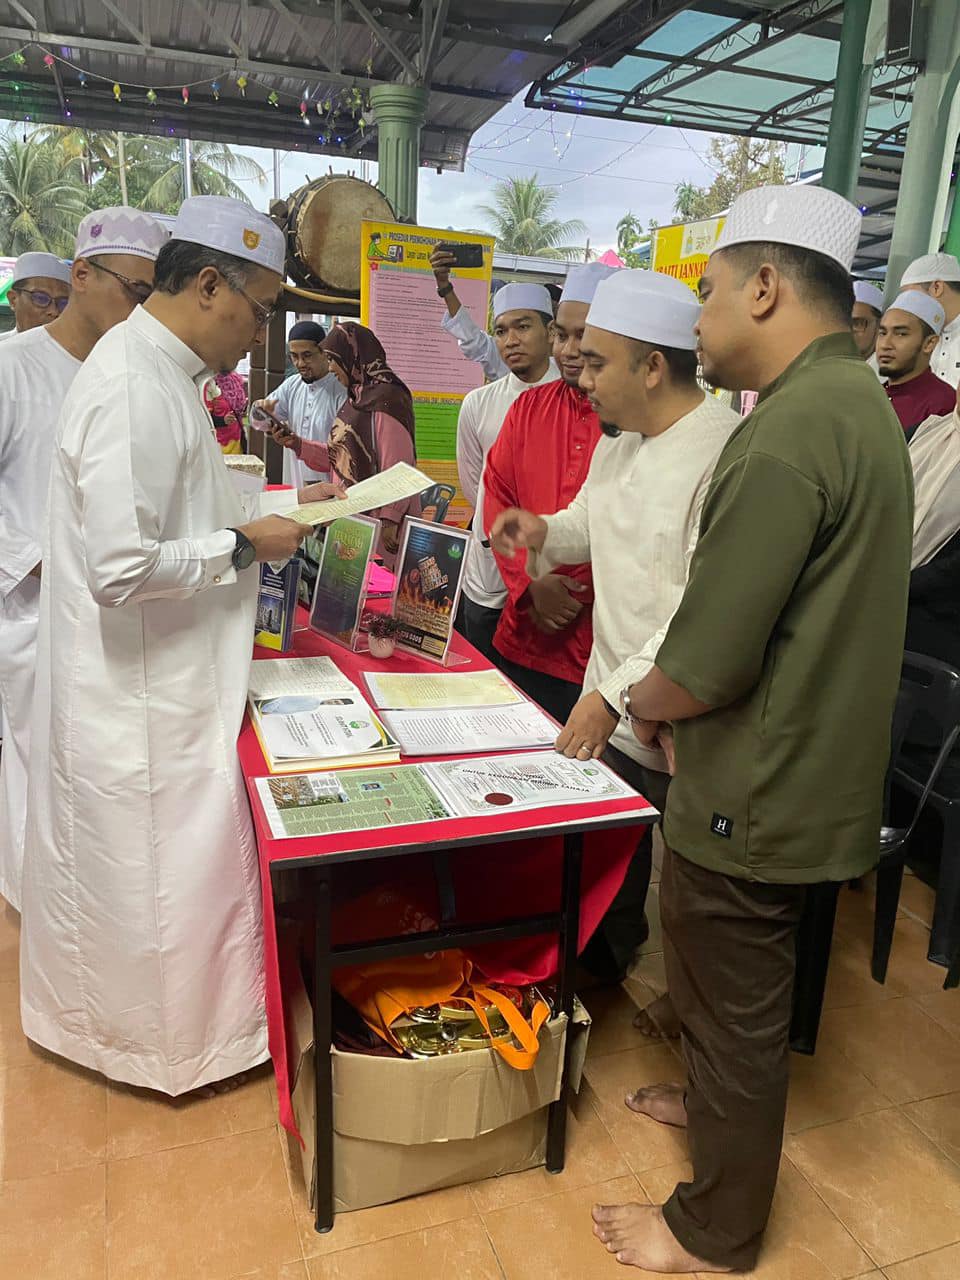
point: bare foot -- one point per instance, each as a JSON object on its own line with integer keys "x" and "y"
{"x": 219, "y": 1086}
{"x": 639, "y": 1237}
{"x": 661, "y": 1102}
{"x": 658, "y": 1020}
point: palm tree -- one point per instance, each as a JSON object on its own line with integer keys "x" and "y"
{"x": 521, "y": 217}
{"x": 96, "y": 149}
{"x": 215, "y": 168}
{"x": 42, "y": 197}
{"x": 629, "y": 232}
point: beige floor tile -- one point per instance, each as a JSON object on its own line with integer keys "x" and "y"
{"x": 15, "y": 1048}
{"x": 849, "y": 982}
{"x": 460, "y": 1250}
{"x": 939, "y": 1119}
{"x": 52, "y": 1228}
{"x": 803, "y": 1241}
{"x": 898, "y": 1047}
{"x": 612, "y": 1011}
{"x": 558, "y": 1242}
{"x": 828, "y": 1087}
{"x": 140, "y": 1122}
{"x": 944, "y": 1264}
{"x": 917, "y": 899}
{"x": 643, "y": 1142}
{"x": 53, "y": 1116}
{"x": 366, "y": 1226}
{"x": 648, "y": 968}
{"x": 214, "y": 1209}
{"x": 9, "y": 943}
{"x": 287, "y": 1271}
{"x": 943, "y": 1007}
{"x": 909, "y": 972}
{"x": 592, "y": 1156}
{"x": 893, "y": 1190}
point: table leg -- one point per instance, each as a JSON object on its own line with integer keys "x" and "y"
{"x": 322, "y": 1034}
{"x": 569, "y": 937}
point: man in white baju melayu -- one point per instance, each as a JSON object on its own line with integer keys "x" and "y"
{"x": 141, "y": 941}
{"x": 112, "y": 272}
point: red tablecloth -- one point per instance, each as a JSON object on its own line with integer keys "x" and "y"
{"x": 492, "y": 881}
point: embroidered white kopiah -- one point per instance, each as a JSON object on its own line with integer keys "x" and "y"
{"x": 120, "y": 230}
{"x": 232, "y": 227}
{"x": 806, "y": 217}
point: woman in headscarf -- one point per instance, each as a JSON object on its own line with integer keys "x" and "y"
{"x": 373, "y": 428}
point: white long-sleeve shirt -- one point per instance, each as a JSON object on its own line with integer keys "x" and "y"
{"x": 475, "y": 343}
{"x": 35, "y": 376}
{"x": 141, "y": 949}
{"x": 481, "y": 417}
{"x": 636, "y": 521}
{"x": 310, "y": 409}
{"x": 945, "y": 361}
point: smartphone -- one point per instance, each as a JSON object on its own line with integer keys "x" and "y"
{"x": 262, "y": 419}
{"x": 464, "y": 255}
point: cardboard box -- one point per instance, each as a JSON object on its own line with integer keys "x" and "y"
{"x": 406, "y": 1126}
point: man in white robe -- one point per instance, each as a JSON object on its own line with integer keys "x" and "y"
{"x": 39, "y": 291}
{"x": 112, "y": 271}
{"x": 141, "y": 944}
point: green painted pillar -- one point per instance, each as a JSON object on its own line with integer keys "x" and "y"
{"x": 952, "y": 242}
{"x": 399, "y": 111}
{"x": 931, "y": 144}
{"x": 851, "y": 95}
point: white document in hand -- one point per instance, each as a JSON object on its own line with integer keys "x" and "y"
{"x": 393, "y": 485}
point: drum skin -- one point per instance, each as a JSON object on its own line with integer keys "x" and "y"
{"x": 323, "y": 231}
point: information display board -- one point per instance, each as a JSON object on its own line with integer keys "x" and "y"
{"x": 682, "y": 250}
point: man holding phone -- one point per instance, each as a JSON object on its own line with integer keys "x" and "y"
{"x": 307, "y": 401}
{"x": 475, "y": 343}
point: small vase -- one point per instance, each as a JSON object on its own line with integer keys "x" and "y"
{"x": 382, "y": 646}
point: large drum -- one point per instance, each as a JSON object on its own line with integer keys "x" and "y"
{"x": 322, "y": 222}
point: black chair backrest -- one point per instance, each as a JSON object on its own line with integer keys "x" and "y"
{"x": 930, "y": 692}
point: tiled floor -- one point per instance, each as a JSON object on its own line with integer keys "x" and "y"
{"x": 101, "y": 1183}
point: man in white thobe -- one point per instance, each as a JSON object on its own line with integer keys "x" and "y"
{"x": 938, "y": 274}
{"x": 141, "y": 941}
{"x": 308, "y": 400}
{"x": 39, "y": 291}
{"x": 522, "y": 316}
{"x": 112, "y": 271}
{"x": 636, "y": 521}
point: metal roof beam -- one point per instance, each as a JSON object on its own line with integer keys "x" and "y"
{"x": 219, "y": 62}
{"x": 292, "y": 20}
{"x": 24, "y": 13}
{"x": 204, "y": 14}
{"x": 436, "y": 35}
{"x": 384, "y": 37}
{"x": 134, "y": 30}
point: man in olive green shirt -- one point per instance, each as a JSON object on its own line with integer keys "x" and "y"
{"x": 779, "y": 670}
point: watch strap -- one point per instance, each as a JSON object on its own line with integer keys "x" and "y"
{"x": 444, "y": 291}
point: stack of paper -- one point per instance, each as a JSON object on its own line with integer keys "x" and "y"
{"x": 458, "y": 713}
{"x": 308, "y": 715}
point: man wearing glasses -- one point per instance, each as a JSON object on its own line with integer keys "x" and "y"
{"x": 141, "y": 941}
{"x": 112, "y": 271}
{"x": 39, "y": 292}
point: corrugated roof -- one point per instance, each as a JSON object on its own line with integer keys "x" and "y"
{"x": 485, "y": 53}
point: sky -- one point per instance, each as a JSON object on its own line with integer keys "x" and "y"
{"x": 601, "y": 169}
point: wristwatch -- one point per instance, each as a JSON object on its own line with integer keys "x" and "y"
{"x": 625, "y": 709}
{"x": 244, "y": 553}
{"x": 443, "y": 290}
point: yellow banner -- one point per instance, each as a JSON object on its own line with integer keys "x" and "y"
{"x": 399, "y": 302}
{"x": 682, "y": 250}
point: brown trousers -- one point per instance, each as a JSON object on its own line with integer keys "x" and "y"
{"x": 730, "y": 954}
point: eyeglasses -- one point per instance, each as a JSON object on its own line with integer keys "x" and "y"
{"x": 139, "y": 290}
{"x": 43, "y": 300}
{"x": 263, "y": 315}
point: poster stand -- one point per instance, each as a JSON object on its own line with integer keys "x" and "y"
{"x": 429, "y": 572}
{"x": 342, "y": 576}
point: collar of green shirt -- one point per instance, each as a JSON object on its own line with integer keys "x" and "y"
{"x": 831, "y": 347}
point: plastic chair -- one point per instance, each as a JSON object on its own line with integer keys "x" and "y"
{"x": 930, "y": 690}
{"x": 927, "y": 687}
{"x": 440, "y": 496}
